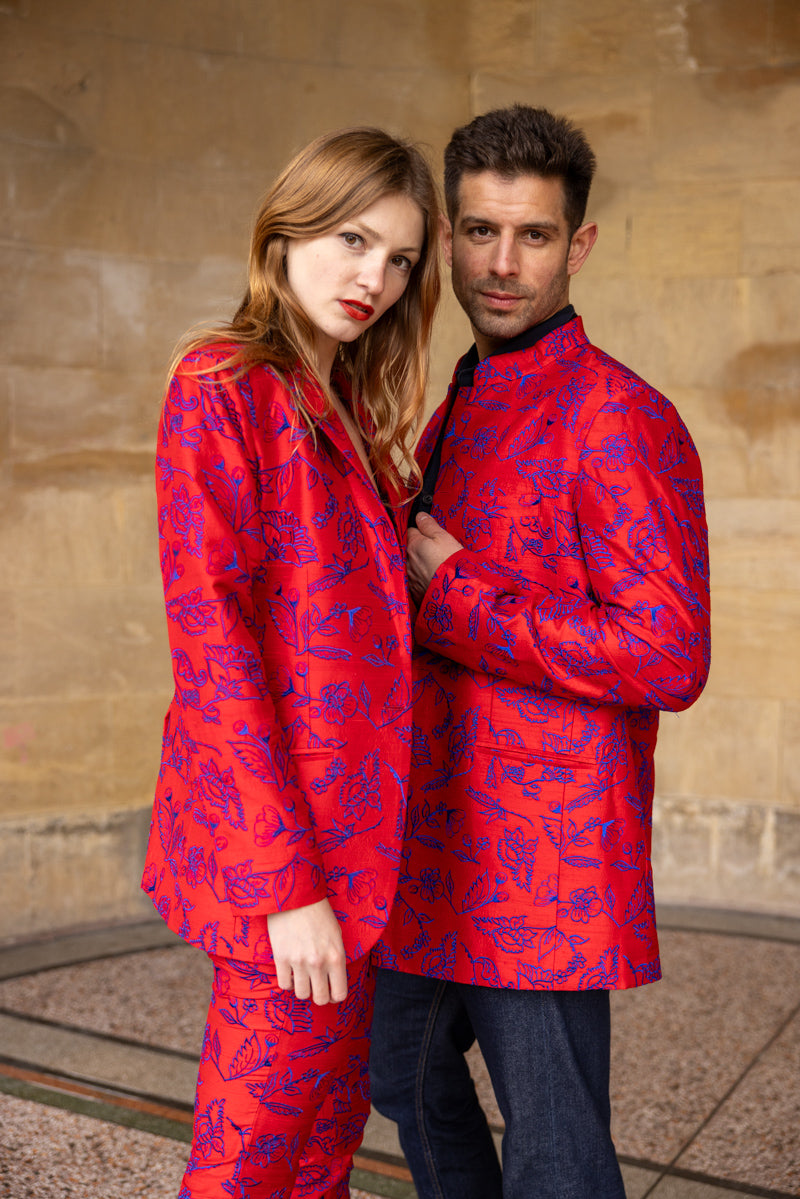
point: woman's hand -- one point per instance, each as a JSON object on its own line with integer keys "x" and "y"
{"x": 309, "y": 953}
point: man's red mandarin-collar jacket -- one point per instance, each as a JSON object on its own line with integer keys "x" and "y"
{"x": 545, "y": 648}
{"x": 286, "y": 746}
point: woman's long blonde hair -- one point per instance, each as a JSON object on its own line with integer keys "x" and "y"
{"x": 332, "y": 180}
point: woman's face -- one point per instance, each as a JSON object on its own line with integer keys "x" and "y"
{"x": 346, "y": 279}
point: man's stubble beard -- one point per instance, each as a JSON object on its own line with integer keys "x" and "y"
{"x": 502, "y": 326}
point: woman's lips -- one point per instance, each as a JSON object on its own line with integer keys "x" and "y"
{"x": 358, "y": 311}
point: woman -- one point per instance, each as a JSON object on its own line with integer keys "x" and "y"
{"x": 280, "y": 802}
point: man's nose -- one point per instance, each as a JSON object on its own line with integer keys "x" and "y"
{"x": 505, "y": 261}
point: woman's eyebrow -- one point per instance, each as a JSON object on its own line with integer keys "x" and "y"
{"x": 379, "y": 237}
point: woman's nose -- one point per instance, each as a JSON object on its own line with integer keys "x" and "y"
{"x": 372, "y": 275}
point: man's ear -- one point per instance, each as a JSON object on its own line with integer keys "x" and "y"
{"x": 446, "y": 234}
{"x": 582, "y": 241}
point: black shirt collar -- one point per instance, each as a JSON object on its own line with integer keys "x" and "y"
{"x": 514, "y": 345}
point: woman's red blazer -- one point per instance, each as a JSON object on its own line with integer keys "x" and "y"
{"x": 286, "y": 746}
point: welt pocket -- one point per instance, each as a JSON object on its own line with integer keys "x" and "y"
{"x": 313, "y": 755}
{"x": 535, "y": 755}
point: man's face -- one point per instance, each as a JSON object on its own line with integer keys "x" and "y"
{"x": 512, "y": 254}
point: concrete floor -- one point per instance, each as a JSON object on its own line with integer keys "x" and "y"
{"x": 99, "y": 1033}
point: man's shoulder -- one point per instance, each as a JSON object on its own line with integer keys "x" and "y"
{"x": 571, "y": 361}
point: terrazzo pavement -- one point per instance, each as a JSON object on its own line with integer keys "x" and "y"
{"x": 100, "y": 1031}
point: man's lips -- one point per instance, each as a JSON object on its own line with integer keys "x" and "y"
{"x": 358, "y": 311}
{"x": 501, "y": 299}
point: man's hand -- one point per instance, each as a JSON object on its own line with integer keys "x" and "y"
{"x": 429, "y": 545}
{"x": 309, "y": 953}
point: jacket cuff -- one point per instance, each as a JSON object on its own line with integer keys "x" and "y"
{"x": 436, "y": 623}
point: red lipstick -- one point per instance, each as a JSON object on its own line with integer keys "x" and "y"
{"x": 358, "y": 311}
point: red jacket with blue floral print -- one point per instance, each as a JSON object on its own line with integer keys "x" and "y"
{"x": 286, "y": 746}
{"x": 545, "y": 649}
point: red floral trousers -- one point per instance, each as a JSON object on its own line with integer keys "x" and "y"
{"x": 282, "y": 1089}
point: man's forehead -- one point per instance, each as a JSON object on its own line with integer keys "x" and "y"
{"x": 491, "y": 190}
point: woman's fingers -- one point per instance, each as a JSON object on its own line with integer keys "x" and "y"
{"x": 309, "y": 953}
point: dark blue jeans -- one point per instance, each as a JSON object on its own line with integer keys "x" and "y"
{"x": 547, "y": 1053}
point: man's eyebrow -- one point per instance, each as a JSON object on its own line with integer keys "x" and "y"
{"x": 536, "y": 223}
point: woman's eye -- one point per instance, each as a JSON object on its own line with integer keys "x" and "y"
{"x": 352, "y": 239}
{"x": 402, "y": 263}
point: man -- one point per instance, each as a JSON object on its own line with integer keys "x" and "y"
{"x": 562, "y": 593}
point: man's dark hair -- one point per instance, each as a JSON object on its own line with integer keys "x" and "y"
{"x": 521, "y": 140}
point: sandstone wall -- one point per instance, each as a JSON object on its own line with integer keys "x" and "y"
{"x": 136, "y": 139}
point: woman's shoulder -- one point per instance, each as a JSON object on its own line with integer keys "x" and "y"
{"x": 222, "y": 365}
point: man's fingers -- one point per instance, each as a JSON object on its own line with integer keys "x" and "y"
{"x": 428, "y": 525}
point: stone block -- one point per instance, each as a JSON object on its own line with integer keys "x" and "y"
{"x": 748, "y": 436}
{"x": 790, "y": 756}
{"x": 769, "y": 238}
{"x": 61, "y": 537}
{"x": 614, "y": 209}
{"x": 787, "y": 852}
{"x": 720, "y": 748}
{"x": 626, "y": 36}
{"x": 785, "y": 38}
{"x": 54, "y": 75}
{"x": 452, "y": 337}
{"x": 138, "y": 511}
{"x": 755, "y": 647}
{"x": 221, "y": 26}
{"x": 773, "y": 302}
{"x": 5, "y": 429}
{"x": 137, "y": 723}
{"x": 148, "y": 306}
{"x": 85, "y": 642}
{"x": 64, "y": 285}
{"x": 405, "y": 38}
{"x": 60, "y": 414}
{"x": 746, "y": 850}
{"x": 54, "y": 756}
{"x": 727, "y": 34}
{"x": 691, "y": 231}
{"x": 684, "y": 846}
{"x": 201, "y": 91}
{"x": 726, "y": 125}
{"x": 72, "y": 870}
{"x": 755, "y": 543}
{"x": 111, "y": 203}
{"x": 676, "y": 333}
{"x": 725, "y": 854}
{"x": 183, "y": 116}
{"x": 200, "y": 213}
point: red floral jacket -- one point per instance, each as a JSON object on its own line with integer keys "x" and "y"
{"x": 545, "y": 648}
{"x": 286, "y": 746}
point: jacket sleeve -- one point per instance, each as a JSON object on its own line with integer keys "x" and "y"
{"x": 228, "y": 748}
{"x": 631, "y": 626}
